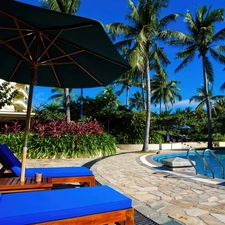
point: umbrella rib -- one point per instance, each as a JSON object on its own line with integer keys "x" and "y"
{"x": 74, "y": 62}
{"x": 5, "y": 42}
{"x": 53, "y": 69}
{"x": 51, "y": 43}
{"x": 93, "y": 53}
{"x": 72, "y": 28}
{"x": 22, "y": 21}
{"x": 9, "y": 40}
{"x": 13, "y": 28}
{"x": 60, "y": 57}
{"x": 17, "y": 66}
{"x": 56, "y": 28}
{"x": 13, "y": 49}
{"x": 17, "y": 37}
{"x": 22, "y": 37}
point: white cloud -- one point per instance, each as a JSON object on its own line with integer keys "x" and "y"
{"x": 185, "y": 103}
{"x": 181, "y": 104}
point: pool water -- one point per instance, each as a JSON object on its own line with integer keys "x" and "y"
{"x": 209, "y": 158}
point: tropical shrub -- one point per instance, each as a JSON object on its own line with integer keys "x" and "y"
{"x": 129, "y": 128}
{"x": 58, "y": 139}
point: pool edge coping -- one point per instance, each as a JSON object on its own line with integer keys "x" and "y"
{"x": 199, "y": 178}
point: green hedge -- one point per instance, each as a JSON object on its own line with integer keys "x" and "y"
{"x": 67, "y": 146}
{"x": 129, "y": 128}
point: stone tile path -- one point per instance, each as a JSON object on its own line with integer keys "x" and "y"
{"x": 163, "y": 197}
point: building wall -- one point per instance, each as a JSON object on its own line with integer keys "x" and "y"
{"x": 19, "y": 104}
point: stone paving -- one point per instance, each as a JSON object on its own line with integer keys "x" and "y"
{"x": 164, "y": 197}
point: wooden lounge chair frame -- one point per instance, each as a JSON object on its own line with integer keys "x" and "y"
{"x": 79, "y": 206}
{"x": 110, "y": 218}
{"x": 5, "y": 171}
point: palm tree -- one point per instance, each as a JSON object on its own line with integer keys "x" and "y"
{"x": 126, "y": 84}
{"x": 202, "y": 39}
{"x": 130, "y": 78}
{"x": 71, "y": 7}
{"x": 136, "y": 101}
{"x": 109, "y": 94}
{"x": 59, "y": 95}
{"x": 141, "y": 38}
{"x": 201, "y": 98}
{"x": 68, "y": 6}
{"x": 219, "y": 115}
{"x": 164, "y": 90}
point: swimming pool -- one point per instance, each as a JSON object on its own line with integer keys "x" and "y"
{"x": 211, "y": 161}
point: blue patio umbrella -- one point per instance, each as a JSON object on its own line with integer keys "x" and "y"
{"x": 184, "y": 127}
{"x": 172, "y": 127}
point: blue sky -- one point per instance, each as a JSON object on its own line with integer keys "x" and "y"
{"x": 107, "y": 11}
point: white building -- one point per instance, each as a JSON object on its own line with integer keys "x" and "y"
{"x": 16, "y": 111}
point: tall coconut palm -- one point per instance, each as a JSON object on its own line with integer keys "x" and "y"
{"x": 127, "y": 80}
{"x": 140, "y": 35}
{"x": 202, "y": 39}
{"x": 109, "y": 94}
{"x": 136, "y": 101}
{"x": 164, "y": 90}
{"x": 130, "y": 78}
{"x": 71, "y": 7}
{"x": 126, "y": 84}
{"x": 59, "y": 95}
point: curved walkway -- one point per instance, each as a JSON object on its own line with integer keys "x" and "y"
{"x": 161, "y": 196}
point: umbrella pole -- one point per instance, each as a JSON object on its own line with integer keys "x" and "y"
{"x": 27, "y": 123}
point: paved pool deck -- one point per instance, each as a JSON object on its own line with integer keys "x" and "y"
{"x": 166, "y": 197}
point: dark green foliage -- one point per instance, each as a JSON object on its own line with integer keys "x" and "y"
{"x": 96, "y": 145}
{"x": 64, "y": 146}
{"x": 129, "y": 128}
{"x": 7, "y": 94}
{"x": 49, "y": 112}
{"x": 156, "y": 137}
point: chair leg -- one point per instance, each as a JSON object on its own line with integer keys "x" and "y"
{"x": 130, "y": 217}
{"x": 2, "y": 170}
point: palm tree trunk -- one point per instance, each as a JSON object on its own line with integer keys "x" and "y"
{"x": 67, "y": 106}
{"x": 208, "y": 105}
{"x": 127, "y": 96}
{"x": 143, "y": 90}
{"x": 81, "y": 105}
{"x": 148, "y": 110}
{"x": 160, "y": 106}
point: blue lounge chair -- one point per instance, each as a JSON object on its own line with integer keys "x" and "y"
{"x": 80, "y": 206}
{"x": 59, "y": 175}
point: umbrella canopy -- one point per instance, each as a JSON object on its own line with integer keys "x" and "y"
{"x": 172, "y": 127}
{"x": 48, "y": 48}
{"x": 184, "y": 127}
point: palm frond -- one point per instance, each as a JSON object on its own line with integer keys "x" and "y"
{"x": 209, "y": 70}
{"x": 168, "y": 19}
{"x": 220, "y": 48}
{"x": 190, "y": 24}
{"x": 219, "y": 36}
{"x": 222, "y": 87}
{"x": 184, "y": 63}
{"x": 116, "y": 30}
{"x": 217, "y": 56}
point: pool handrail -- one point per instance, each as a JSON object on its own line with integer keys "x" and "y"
{"x": 221, "y": 164}
{"x": 202, "y": 159}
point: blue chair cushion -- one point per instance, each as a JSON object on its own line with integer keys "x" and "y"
{"x": 41, "y": 206}
{"x": 10, "y": 159}
{"x": 59, "y": 171}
